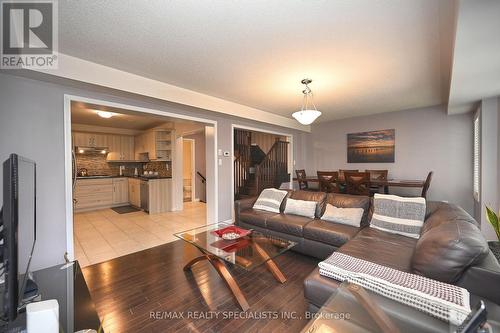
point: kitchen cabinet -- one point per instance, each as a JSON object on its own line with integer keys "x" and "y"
{"x": 158, "y": 143}
{"x": 93, "y": 193}
{"x": 160, "y": 195}
{"x": 85, "y": 139}
{"x": 120, "y": 191}
{"x": 134, "y": 192}
{"x": 121, "y": 148}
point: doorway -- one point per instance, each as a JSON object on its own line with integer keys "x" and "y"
{"x": 261, "y": 159}
{"x": 108, "y": 150}
{"x": 189, "y": 159}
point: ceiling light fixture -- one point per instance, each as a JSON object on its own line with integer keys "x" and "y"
{"x": 308, "y": 114}
{"x": 105, "y": 114}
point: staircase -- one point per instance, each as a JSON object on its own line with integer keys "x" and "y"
{"x": 255, "y": 170}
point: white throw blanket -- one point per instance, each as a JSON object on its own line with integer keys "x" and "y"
{"x": 438, "y": 299}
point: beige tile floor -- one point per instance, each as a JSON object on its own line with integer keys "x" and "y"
{"x": 102, "y": 235}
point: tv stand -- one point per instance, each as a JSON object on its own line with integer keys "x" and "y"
{"x": 66, "y": 284}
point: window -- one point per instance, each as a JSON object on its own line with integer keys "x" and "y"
{"x": 477, "y": 156}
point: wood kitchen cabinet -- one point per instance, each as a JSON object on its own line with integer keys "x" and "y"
{"x": 158, "y": 143}
{"x": 120, "y": 191}
{"x": 93, "y": 193}
{"x": 134, "y": 192}
{"x": 85, "y": 139}
{"x": 121, "y": 148}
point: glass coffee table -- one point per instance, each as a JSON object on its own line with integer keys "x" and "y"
{"x": 247, "y": 252}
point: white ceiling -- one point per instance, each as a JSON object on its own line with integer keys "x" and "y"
{"x": 86, "y": 114}
{"x": 364, "y": 56}
{"x": 476, "y": 60}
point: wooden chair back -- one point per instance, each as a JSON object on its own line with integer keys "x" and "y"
{"x": 357, "y": 183}
{"x": 302, "y": 179}
{"x": 427, "y": 184}
{"x": 343, "y": 171}
{"x": 328, "y": 181}
{"x": 378, "y": 174}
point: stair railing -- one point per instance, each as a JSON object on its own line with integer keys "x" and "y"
{"x": 242, "y": 161}
{"x": 273, "y": 170}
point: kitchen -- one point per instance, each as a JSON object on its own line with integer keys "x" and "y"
{"x": 125, "y": 195}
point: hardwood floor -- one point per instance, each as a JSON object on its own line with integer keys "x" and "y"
{"x": 148, "y": 291}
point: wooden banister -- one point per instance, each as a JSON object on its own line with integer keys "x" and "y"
{"x": 273, "y": 170}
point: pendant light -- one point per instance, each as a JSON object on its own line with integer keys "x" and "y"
{"x": 308, "y": 113}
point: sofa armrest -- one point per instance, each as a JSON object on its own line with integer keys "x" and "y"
{"x": 241, "y": 205}
{"x": 482, "y": 282}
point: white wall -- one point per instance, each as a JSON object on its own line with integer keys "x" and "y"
{"x": 426, "y": 140}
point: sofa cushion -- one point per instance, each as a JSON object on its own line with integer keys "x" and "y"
{"x": 319, "y": 197}
{"x": 288, "y": 224}
{"x": 450, "y": 243}
{"x": 270, "y": 200}
{"x": 329, "y": 233}
{"x": 347, "y": 216}
{"x": 351, "y": 201}
{"x": 398, "y": 215}
{"x": 255, "y": 217}
{"x": 382, "y": 248}
{"x": 304, "y": 208}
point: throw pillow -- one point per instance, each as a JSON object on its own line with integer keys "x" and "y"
{"x": 300, "y": 207}
{"x": 398, "y": 215}
{"x": 270, "y": 200}
{"x": 348, "y": 216}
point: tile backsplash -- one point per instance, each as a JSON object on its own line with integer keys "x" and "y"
{"x": 96, "y": 164}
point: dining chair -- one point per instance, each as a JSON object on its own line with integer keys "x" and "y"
{"x": 427, "y": 184}
{"x": 342, "y": 171}
{"x": 302, "y": 179}
{"x": 328, "y": 181}
{"x": 377, "y": 175}
{"x": 357, "y": 183}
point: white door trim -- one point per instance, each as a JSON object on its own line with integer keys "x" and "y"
{"x": 212, "y": 207}
{"x": 289, "y": 137}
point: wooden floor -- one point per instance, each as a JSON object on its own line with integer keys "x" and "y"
{"x": 128, "y": 289}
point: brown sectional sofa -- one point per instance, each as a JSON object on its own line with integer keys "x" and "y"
{"x": 451, "y": 247}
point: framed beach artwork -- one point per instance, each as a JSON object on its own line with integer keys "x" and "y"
{"x": 371, "y": 147}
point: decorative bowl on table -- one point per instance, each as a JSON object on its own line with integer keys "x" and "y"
{"x": 231, "y": 233}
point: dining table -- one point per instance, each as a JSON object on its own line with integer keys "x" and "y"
{"x": 385, "y": 184}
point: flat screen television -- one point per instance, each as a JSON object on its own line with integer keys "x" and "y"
{"x": 18, "y": 232}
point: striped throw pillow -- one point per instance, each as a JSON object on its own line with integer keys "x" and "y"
{"x": 398, "y": 215}
{"x": 270, "y": 200}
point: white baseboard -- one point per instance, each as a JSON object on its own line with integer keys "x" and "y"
{"x": 227, "y": 221}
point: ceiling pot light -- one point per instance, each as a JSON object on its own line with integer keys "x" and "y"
{"x": 308, "y": 113}
{"x": 105, "y": 114}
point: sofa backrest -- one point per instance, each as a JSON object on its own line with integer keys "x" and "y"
{"x": 319, "y": 197}
{"x": 350, "y": 201}
{"x": 450, "y": 243}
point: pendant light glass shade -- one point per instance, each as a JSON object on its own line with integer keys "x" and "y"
{"x": 308, "y": 114}
{"x": 306, "y": 117}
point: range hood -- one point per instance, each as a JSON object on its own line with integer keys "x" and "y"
{"x": 85, "y": 149}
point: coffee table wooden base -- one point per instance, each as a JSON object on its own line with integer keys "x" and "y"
{"x": 224, "y": 273}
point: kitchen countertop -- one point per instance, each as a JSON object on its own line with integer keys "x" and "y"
{"x": 134, "y": 177}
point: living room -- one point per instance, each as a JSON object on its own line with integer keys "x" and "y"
{"x": 337, "y": 83}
